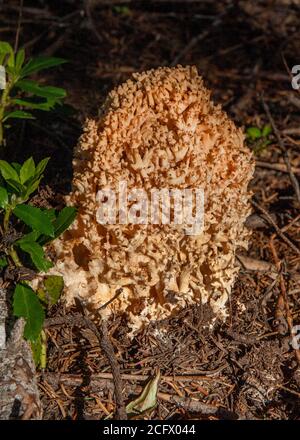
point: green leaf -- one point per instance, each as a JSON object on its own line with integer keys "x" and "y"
{"x": 3, "y": 262}
{"x": 41, "y": 166}
{"x": 27, "y": 305}
{"x": 64, "y": 219}
{"x": 39, "y": 350}
{"x": 147, "y": 399}
{"x": 253, "y": 132}
{"x": 266, "y": 130}
{"x": 8, "y": 172}
{"x": 36, "y": 347}
{"x": 33, "y": 182}
{"x": 31, "y": 236}
{"x": 42, "y": 296}
{"x": 37, "y": 255}
{"x": 123, "y": 10}
{"x": 6, "y": 49}
{"x": 44, "y": 105}
{"x": 11, "y": 63}
{"x": 18, "y": 114}
{"x": 20, "y": 57}
{"x": 17, "y": 166}
{"x": 31, "y": 185}
{"x": 52, "y": 217}
{"x": 3, "y": 197}
{"x": 44, "y": 91}
{"x": 54, "y": 285}
{"x": 15, "y": 185}
{"x": 40, "y": 63}
{"x": 35, "y": 218}
{"x": 51, "y": 214}
{"x": 28, "y": 170}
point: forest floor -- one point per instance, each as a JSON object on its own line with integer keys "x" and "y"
{"x": 245, "y": 367}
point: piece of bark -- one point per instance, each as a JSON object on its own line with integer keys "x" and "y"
{"x": 196, "y": 406}
{"x": 19, "y": 396}
{"x": 255, "y": 221}
{"x": 254, "y": 264}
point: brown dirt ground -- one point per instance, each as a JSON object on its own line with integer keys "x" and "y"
{"x": 246, "y": 366}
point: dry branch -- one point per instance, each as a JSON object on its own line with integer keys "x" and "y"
{"x": 284, "y": 150}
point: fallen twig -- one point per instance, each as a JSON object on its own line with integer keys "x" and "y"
{"x": 74, "y": 379}
{"x": 105, "y": 344}
{"x": 284, "y": 150}
{"x": 195, "y": 406}
{"x": 18, "y": 26}
{"x": 283, "y": 301}
{"x": 75, "y": 319}
{"x": 108, "y": 349}
{"x": 89, "y": 6}
{"x": 276, "y": 167}
{"x": 277, "y": 229}
{"x": 200, "y": 37}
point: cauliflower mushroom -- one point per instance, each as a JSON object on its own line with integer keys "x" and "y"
{"x": 157, "y": 130}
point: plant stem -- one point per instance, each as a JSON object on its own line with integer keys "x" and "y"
{"x": 13, "y": 254}
{"x": 43, "y": 359}
{"x": 1, "y": 133}
{"x": 3, "y": 104}
{"x": 6, "y": 219}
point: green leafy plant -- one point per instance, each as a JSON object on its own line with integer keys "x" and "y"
{"x": 259, "y": 138}
{"x": 26, "y": 229}
{"x": 20, "y": 94}
{"x": 122, "y": 10}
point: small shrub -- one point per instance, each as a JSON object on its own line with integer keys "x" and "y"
{"x": 20, "y": 94}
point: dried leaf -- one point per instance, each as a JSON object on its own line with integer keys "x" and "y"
{"x": 147, "y": 399}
